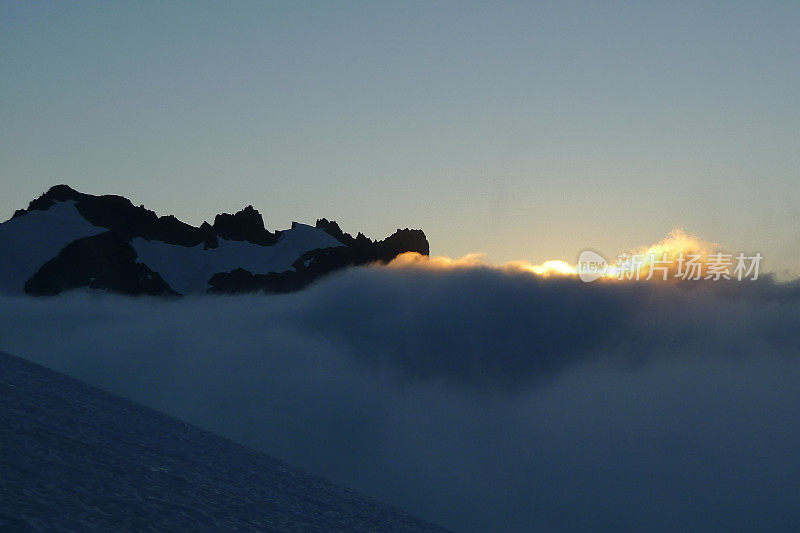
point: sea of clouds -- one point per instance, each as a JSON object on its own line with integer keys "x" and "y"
{"x": 480, "y": 399}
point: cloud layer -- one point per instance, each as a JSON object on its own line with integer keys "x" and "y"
{"x": 478, "y": 398}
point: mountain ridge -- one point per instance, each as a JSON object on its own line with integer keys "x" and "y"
{"x": 126, "y": 249}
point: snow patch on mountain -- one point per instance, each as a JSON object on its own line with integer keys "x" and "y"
{"x": 29, "y": 241}
{"x": 188, "y": 269}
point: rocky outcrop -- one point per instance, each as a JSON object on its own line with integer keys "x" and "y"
{"x": 333, "y": 229}
{"x": 246, "y": 225}
{"x": 105, "y": 261}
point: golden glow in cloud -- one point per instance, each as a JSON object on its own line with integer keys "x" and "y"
{"x": 669, "y": 251}
{"x": 438, "y": 262}
{"x": 664, "y": 258}
{"x": 478, "y": 260}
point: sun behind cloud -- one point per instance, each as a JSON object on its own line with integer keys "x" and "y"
{"x": 680, "y": 255}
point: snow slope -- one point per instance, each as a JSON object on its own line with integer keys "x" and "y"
{"x": 188, "y": 269}
{"x": 29, "y": 241}
{"x": 73, "y": 457}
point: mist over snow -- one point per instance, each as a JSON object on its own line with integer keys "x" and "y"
{"x": 478, "y": 399}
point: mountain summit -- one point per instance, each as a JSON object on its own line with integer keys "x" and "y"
{"x": 66, "y": 239}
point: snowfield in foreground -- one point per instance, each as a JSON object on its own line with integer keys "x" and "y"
{"x": 77, "y": 458}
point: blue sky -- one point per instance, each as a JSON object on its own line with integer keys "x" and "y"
{"x": 523, "y": 130}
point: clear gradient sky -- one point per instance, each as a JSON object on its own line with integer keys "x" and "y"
{"x": 525, "y": 130}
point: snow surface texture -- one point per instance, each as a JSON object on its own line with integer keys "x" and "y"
{"x": 29, "y": 241}
{"x": 188, "y": 269}
{"x": 77, "y": 458}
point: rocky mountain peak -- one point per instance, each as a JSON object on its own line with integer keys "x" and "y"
{"x": 244, "y": 225}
